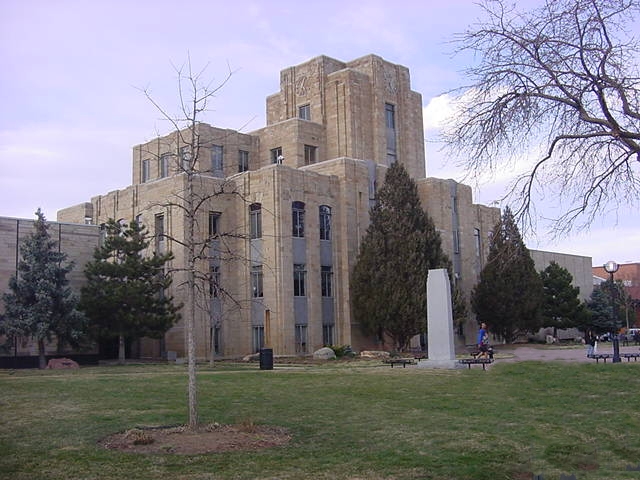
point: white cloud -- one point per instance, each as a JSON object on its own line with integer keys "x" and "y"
{"x": 438, "y": 112}
{"x": 19, "y": 151}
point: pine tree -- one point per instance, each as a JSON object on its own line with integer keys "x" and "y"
{"x": 562, "y": 307}
{"x": 389, "y": 279}
{"x": 605, "y": 315}
{"x": 125, "y": 291}
{"x": 40, "y": 303}
{"x": 509, "y": 295}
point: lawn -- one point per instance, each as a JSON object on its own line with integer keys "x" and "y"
{"x": 355, "y": 421}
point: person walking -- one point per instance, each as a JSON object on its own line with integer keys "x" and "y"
{"x": 483, "y": 341}
{"x": 590, "y": 342}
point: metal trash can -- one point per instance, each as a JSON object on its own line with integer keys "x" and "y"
{"x": 266, "y": 359}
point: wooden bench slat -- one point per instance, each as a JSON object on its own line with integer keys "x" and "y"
{"x": 400, "y": 361}
{"x": 476, "y": 361}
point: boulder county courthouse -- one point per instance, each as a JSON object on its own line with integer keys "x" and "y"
{"x": 298, "y": 194}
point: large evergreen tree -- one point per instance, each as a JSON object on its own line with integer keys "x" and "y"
{"x": 389, "y": 279}
{"x": 40, "y": 303}
{"x": 562, "y": 307}
{"x": 509, "y": 295}
{"x": 125, "y": 291}
{"x": 607, "y": 315}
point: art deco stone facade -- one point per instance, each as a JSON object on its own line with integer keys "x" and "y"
{"x": 309, "y": 177}
{"x": 77, "y": 241}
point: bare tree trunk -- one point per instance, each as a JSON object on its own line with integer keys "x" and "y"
{"x": 42, "y": 360}
{"x": 190, "y": 204}
{"x": 212, "y": 349}
{"x": 191, "y": 350}
{"x": 121, "y": 351}
{"x": 191, "y": 285}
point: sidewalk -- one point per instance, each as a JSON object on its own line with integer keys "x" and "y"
{"x": 517, "y": 353}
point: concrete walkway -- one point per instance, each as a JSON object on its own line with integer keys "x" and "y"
{"x": 517, "y": 353}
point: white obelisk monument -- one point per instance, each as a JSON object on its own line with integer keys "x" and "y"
{"x": 442, "y": 352}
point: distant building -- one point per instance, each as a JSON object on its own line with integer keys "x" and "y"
{"x": 629, "y": 274}
{"x": 580, "y": 269}
{"x": 298, "y": 196}
{"x": 77, "y": 241}
{"x": 578, "y": 266}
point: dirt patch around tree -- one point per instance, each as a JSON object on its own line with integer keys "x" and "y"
{"x": 212, "y": 438}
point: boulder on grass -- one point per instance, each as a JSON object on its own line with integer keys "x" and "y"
{"x": 252, "y": 357}
{"x": 325, "y": 353}
{"x": 60, "y": 363}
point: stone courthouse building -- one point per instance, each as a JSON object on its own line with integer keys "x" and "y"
{"x": 286, "y": 207}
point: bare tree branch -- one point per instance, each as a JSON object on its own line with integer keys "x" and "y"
{"x": 563, "y": 77}
{"x": 193, "y": 199}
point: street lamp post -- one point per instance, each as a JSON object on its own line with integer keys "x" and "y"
{"x": 612, "y": 267}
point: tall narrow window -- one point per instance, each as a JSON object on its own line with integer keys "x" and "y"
{"x": 258, "y": 338}
{"x": 164, "y": 165}
{"x": 326, "y": 281}
{"x": 476, "y": 238}
{"x": 299, "y": 280}
{"x": 145, "y": 170}
{"x": 325, "y": 222}
{"x": 255, "y": 220}
{"x": 301, "y": 338}
{"x": 390, "y": 116}
{"x": 216, "y": 339}
{"x": 310, "y": 154}
{"x": 214, "y": 220}
{"x": 327, "y": 335}
{"x": 216, "y": 158}
{"x": 243, "y": 160}
{"x": 390, "y": 124}
{"x": 304, "y": 112}
{"x": 276, "y": 155}
{"x": 185, "y": 158}
{"x": 456, "y": 241}
{"x": 214, "y": 281}
{"x": 256, "y": 281}
{"x": 160, "y": 227}
{"x": 297, "y": 212}
{"x": 159, "y": 230}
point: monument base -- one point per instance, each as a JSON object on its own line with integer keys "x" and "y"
{"x": 441, "y": 364}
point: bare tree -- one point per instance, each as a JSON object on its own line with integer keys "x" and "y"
{"x": 560, "y": 82}
{"x": 191, "y": 200}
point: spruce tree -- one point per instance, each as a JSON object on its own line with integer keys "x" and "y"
{"x": 125, "y": 291}
{"x": 562, "y": 307}
{"x": 401, "y": 244}
{"x": 607, "y": 315}
{"x": 509, "y": 295}
{"x": 40, "y": 303}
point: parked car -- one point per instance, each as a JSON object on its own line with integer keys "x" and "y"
{"x": 605, "y": 337}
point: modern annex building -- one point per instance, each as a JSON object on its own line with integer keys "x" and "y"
{"x": 288, "y": 205}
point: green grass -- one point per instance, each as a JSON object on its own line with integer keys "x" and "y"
{"x": 349, "y": 421}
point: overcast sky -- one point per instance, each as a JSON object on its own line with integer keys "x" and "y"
{"x": 71, "y": 107}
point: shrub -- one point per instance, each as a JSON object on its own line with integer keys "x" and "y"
{"x": 342, "y": 350}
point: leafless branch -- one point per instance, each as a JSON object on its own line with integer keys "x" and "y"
{"x": 565, "y": 77}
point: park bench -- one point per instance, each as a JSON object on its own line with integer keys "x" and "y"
{"x": 476, "y": 361}
{"x": 474, "y": 351}
{"x": 601, "y": 356}
{"x": 418, "y": 354}
{"x": 400, "y": 361}
{"x": 629, "y": 356}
